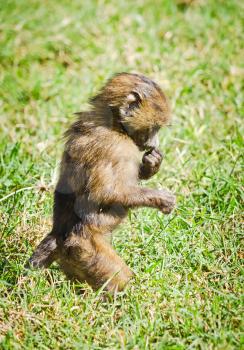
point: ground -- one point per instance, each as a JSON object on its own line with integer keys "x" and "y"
{"x": 187, "y": 292}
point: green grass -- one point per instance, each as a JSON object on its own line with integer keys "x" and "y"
{"x": 188, "y": 286}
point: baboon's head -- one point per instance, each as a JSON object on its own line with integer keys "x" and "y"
{"x": 138, "y": 106}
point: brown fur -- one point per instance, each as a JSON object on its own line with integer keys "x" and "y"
{"x": 98, "y": 182}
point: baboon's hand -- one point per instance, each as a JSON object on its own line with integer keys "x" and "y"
{"x": 151, "y": 162}
{"x": 167, "y": 201}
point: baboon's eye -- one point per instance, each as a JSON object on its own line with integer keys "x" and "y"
{"x": 157, "y": 108}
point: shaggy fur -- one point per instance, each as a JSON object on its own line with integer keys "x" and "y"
{"x": 99, "y": 175}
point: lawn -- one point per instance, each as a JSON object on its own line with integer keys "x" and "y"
{"x": 188, "y": 287}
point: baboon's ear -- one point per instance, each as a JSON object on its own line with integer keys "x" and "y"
{"x": 132, "y": 102}
{"x": 134, "y": 99}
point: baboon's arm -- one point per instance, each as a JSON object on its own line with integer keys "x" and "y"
{"x": 136, "y": 196}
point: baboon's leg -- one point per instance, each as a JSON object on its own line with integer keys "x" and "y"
{"x": 93, "y": 260}
{"x": 45, "y": 252}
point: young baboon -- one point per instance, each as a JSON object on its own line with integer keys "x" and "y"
{"x": 98, "y": 182}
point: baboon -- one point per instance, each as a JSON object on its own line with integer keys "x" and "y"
{"x": 100, "y": 169}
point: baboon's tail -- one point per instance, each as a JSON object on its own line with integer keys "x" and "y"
{"x": 45, "y": 252}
